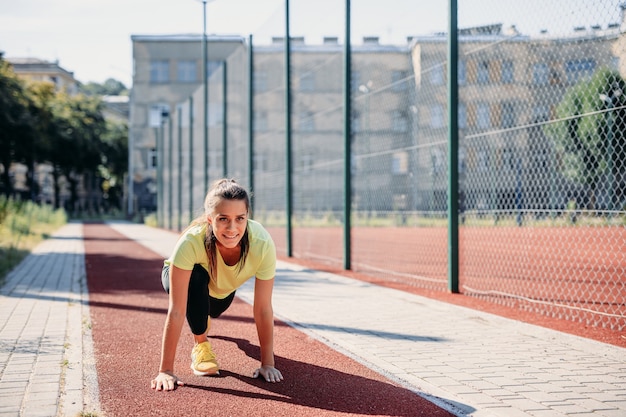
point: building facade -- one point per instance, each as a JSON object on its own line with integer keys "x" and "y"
{"x": 34, "y": 69}
{"x": 509, "y": 87}
{"x": 166, "y": 71}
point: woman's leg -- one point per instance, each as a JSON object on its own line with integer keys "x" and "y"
{"x": 199, "y": 304}
{"x": 197, "y": 299}
{"x": 218, "y": 306}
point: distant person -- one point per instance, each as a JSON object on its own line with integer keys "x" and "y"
{"x": 217, "y": 253}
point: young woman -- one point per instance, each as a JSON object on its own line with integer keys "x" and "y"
{"x": 214, "y": 256}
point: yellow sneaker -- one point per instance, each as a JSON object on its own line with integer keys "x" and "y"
{"x": 203, "y": 360}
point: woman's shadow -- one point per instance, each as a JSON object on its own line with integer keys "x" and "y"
{"x": 328, "y": 389}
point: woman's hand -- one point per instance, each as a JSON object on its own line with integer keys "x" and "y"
{"x": 269, "y": 373}
{"x": 166, "y": 381}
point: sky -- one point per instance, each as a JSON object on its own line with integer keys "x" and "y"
{"x": 92, "y": 38}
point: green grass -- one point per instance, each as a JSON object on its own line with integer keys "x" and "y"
{"x": 439, "y": 219}
{"x": 23, "y": 225}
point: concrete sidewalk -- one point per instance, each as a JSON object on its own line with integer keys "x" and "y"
{"x": 466, "y": 361}
{"x": 46, "y": 363}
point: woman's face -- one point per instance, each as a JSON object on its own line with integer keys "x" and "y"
{"x": 229, "y": 222}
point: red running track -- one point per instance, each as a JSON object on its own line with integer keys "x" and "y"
{"x": 128, "y": 307}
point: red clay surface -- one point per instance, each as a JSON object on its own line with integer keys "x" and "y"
{"x": 128, "y": 307}
{"x": 580, "y": 267}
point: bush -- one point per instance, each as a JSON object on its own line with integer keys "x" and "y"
{"x": 23, "y": 224}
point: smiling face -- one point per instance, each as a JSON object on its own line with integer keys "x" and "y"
{"x": 229, "y": 222}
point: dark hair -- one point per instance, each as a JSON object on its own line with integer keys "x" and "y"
{"x": 223, "y": 189}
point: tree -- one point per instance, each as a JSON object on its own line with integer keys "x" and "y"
{"x": 114, "y": 163}
{"x": 590, "y": 137}
{"x": 15, "y": 123}
{"x": 76, "y": 144}
{"x": 41, "y": 96}
{"x": 111, "y": 87}
{"x": 40, "y": 125}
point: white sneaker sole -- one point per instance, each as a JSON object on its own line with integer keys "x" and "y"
{"x": 205, "y": 373}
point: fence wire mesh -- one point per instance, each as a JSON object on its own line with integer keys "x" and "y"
{"x": 541, "y": 118}
{"x": 541, "y": 142}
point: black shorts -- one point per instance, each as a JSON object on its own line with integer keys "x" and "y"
{"x": 200, "y": 304}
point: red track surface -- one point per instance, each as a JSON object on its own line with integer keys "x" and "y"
{"x": 579, "y": 267}
{"x": 128, "y": 308}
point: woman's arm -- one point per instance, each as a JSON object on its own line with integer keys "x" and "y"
{"x": 264, "y": 319}
{"x": 179, "y": 284}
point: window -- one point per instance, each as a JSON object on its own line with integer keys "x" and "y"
{"x": 260, "y": 162}
{"x": 152, "y": 158}
{"x": 357, "y": 121}
{"x": 540, "y": 113}
{"x": 399, "y": 80}
{"x": 579, "y": 68}
{"x": 355, "y": 80}
{"x": 216, "y": 159}
{"x": 399, "y": 122}
{"x": 307, "y": 123}
{"x": 216, "y": 114}
{"x": 436, "y": 116}
{"x": 436, "y": 75}
{"x": 260, "y": 121}
{"x": 437, "y": 162}
{"x": 462, "y": 72}
{"x": 400, "y": 163}
{"x": 158, "y": 114}
{"x": 307, "y": 81}
{"x": 507, "y": 75}
{"x": 159, "y": 71}
{"x": 508, "y": 115}
{"x": 214, "y": 66}
{"x": 540, "y": 74}
{"x": 260, "y": 81}
{"x": 483, "y": 72}
{"x": 306, "y": 163}
{"x": 483, "y": 116}
{"x": 508, "y": 158}
{"x": 186, "y": 72}
{"x": 483, "y": 160}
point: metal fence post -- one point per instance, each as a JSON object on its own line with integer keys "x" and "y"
{"x": 288, "y": 167}
{"x": 224, "y": 121}
{"x": 205, "y": 106}
{"x": 347, "y": 136}
{"x": 158, "y": 132}
{"x": 453, "y": 149}
{"x": 251, "y": 121}
{"x": 190, "y": 158}
{"x": 170, "y": 208}
{"x": 180, "y": 167}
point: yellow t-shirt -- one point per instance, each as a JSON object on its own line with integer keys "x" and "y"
{"x": 260, "y": 261}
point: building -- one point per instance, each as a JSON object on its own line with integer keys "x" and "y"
{"x": 509, "y": 87}
{"x": 34, "y": 69}
{"x": 167, "y": 70}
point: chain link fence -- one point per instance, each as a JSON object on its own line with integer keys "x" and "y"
{"x": 541, "y": 142}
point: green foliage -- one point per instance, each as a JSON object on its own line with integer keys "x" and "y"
{"x": 114, "y": 163}
{"x": 111, "y": 87}
{"x": 69, "y": 133}
{"x": 23, "y": 224}
{"x": 584, "y": 127}
{"x": 16, "y": 130}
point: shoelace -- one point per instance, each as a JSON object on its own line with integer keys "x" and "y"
{"x": 205, "y": 354}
